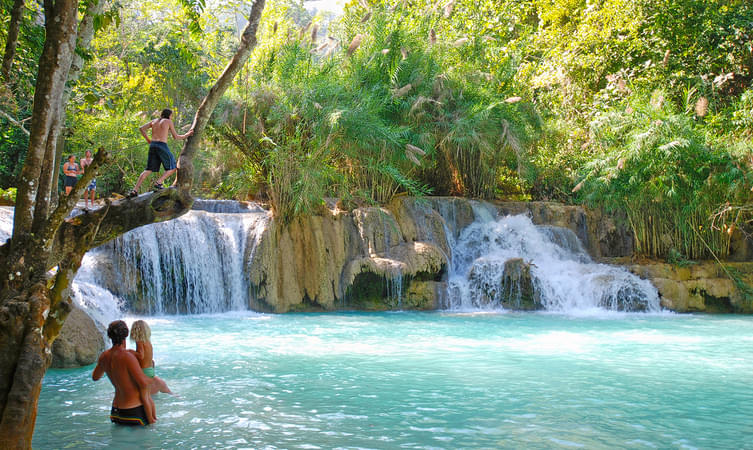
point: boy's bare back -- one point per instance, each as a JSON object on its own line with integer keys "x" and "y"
{"x": 160, "y": 129}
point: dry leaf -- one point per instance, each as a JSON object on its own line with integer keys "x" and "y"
{"x": 413, "y": 158}
{"x": 413, "y": 149}
{"x": 578, "y": 187}
{"x": 385, "y": 51}
{"x": 404, "y": 52}
{"x": 397, "y": 93}
{"x": 702, "y": 107}
{"x": 354, "y": 44}
{"x": 432, "y": 37}
{"x": 513, "y": 99}
{"x": 366, "y": 17}
{"x": 460, "y": 42}
{"x": 448, "y": 9}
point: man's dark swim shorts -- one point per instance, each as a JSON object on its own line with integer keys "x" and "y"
{"x": 131, "y": 416}
{"x": 70, "y": 181}
{"x": 159, "y": 153}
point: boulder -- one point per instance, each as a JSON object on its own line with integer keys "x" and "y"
{"x": 80, "y": 341}
{"x": 517, "y": 287}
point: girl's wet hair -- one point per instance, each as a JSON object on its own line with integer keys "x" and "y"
{"x": 140, "y": 331}
{"x": 166, "y": 113}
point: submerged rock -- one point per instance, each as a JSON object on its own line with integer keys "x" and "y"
{"x": 80, "y": 341}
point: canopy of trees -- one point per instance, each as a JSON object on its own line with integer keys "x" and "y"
{"x": 642, "y": 106}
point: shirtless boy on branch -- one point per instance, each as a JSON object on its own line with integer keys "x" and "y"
{"x": 159, "y": 153}
{"x": 125, "y": 374}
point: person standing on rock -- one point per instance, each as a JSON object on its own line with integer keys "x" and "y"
{"x": 125, "y": 374}
{"x": 159, "y": 152}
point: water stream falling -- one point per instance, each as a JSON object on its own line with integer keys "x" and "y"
{"x": 194, "y": 264}
{"x": 499, "y": 261}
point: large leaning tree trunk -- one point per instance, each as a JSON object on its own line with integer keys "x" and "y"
{"x": 40, "y": 260}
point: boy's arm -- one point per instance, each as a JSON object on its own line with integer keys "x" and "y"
{"x": 99, "y": 370}
{"x": 143, "y": 129}
{"x": 179, "y": 136}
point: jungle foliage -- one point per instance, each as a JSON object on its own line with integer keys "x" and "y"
{"x": 644, "y": 107}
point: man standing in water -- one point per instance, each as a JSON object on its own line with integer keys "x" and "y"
{"x": 125, "y": 374}
{"x": 159, "y": 152}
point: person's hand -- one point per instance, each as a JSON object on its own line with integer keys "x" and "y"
{"x": 190, "y": 132}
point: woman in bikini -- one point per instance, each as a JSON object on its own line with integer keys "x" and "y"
{"x": 141, "y": 335}
{"x": 71, "y": 170}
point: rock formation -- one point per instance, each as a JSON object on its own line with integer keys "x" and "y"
{"x": 699, "y": 287}
{"x": 339, "y": 260}
{"x": 80, "y": 341}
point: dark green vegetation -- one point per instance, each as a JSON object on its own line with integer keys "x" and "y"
{"x": 642, "y": 107}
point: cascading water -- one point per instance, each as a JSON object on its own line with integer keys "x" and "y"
{"x": 194, "y": 264}
{"x": 508, "y": 262}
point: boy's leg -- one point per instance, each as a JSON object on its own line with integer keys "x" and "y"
{"x": 167, "y": 173}
{"x": 142, "y": 177}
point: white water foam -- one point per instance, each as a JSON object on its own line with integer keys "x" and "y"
{"x": 564, "y": 277}
{"x": 191, "y": 265}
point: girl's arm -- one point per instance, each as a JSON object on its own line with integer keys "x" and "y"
{"x": 140, "y": 352}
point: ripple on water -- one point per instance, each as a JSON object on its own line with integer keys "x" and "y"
{"x": 427, "y": 381}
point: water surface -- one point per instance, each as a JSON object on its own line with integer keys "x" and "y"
{"x": 427, "y": 380}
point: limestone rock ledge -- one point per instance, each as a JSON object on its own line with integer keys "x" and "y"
{"x": 80, "y": 341}
{"x": 699, "y": 287}
{"x": 349, "y": 260}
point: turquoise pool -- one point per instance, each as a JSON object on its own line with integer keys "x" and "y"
{"x": 427, "y": 380}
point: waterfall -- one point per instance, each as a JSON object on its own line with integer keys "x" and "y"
{"x": 510, "y": 263}
{"x": 191, "y": 265}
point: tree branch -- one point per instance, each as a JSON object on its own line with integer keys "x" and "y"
{"x": 15, "y": 122}
{"x": 118, "y": 218}
{"x": 11, "y": 40}
{"x": 207, "y": 106}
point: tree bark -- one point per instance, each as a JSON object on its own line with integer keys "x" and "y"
{"x": 54, "y": 65}
{"x": 207, "y": 106}
{"x": 16, "y": 15}
{"x": 83, "y": 43}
